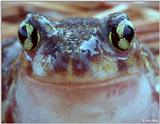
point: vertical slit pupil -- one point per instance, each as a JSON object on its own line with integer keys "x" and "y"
{"x": 22, "y": 33}
{"x": 34, "y": 38}
{"x": 128, "y": 33}
{"x": 115, "y": 39}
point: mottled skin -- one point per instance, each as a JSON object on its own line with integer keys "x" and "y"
{"x": 77, "y": 49}
{"x": 75, "y": 74}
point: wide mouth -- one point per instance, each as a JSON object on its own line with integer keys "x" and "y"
{"x": 115, "y": 79}
{"x": 107, "y": 72}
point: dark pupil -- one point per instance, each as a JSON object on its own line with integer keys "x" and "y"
{"x": 115, "y": 39}
{"x": 128, "y": 33}
{"x": 34, "y": 37}
{"x": 22, "y": 33}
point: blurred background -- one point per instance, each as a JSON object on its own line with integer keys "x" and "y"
{"x": 145, "y": 16}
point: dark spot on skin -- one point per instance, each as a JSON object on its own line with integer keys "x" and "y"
{"x": 114, "y": 92}
{"x": 7, "y": 83}
{"x": 122, "y": 66}
{"x": 51, "y": 47}
{"x": 155, "y": 96}
{"x": 10, "y": 111}
{"x": 95, "y": 58}
{"x": 12, "y": 73}
{"x": 10, "y": 108}
{"x": 61, "y": 63}
{"x": 9, "y": 116}
{"x": 80, "y": 65}
{"x": 121, "y": 92}
{"x": 29, "y": 68}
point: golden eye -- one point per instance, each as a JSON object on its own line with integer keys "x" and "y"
{"x": 123, "y": 44}
{"x": 29, "y": 36}
{"x": 122, "y": 38}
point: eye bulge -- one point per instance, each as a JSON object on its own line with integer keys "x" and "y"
{"x": 121, "y": 32}
{"x": 32, "y": 30}
{"x": 29, "y": 36}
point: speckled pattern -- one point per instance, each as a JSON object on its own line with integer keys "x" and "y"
{"x": 110, "y": 87}
{"x": 75, "y": 31}
{"x": 77, "y": 49}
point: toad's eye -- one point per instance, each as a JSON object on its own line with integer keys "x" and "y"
{"x": 122, "y": 36}
{"x": 29, "y": 36}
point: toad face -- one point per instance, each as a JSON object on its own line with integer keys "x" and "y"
{"x": 78, "y": 49}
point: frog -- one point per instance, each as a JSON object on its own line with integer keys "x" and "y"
{"x": 78, "y": 70}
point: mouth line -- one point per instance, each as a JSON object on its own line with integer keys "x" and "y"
{"x": 121, "y": 78}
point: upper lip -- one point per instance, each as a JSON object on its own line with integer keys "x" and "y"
{"x": 90, "y": 84}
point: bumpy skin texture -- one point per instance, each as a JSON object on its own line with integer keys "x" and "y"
{"x": 78, "y": 71}
{"x": 78, "y": 50}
